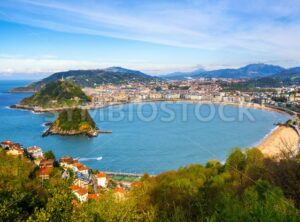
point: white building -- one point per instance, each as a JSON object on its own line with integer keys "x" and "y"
{"x": 101, "y": 179}
{"x": 80, "y": 193}
{"x": 36, "y": 152}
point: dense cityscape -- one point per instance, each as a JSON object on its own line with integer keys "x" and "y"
{"x": 199, "y": 90}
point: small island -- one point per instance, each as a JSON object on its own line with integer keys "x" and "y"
{"x": 72, "y": 122}
{"x": 70, "y": 101}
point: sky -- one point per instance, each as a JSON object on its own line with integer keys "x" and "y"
{"x": 38, "y": 38}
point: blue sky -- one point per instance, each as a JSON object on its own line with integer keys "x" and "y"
{"x": 158, "y": 36}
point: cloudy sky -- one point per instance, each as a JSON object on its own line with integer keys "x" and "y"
{"x": 155, "y": 36}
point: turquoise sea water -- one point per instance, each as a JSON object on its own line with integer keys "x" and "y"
{"x": 152, "y": 137}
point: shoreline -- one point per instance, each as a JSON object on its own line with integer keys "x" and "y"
{"x": 89, "y": 107}
{"x": 281, "y": 141}
{"x": 271, "y": 144}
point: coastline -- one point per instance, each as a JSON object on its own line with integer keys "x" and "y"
{"x": 271, "y": 145}
{"x": 90, "y": 107}
{"x": 282, "y": 140}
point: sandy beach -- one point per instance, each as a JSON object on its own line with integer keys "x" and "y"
{"x": 282, "y": 139}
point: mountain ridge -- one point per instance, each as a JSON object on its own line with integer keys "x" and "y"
{"x": 287, "y": 77}
{"x": 248, "y": 71}
{"x": 57, "y": 94}
{"x": 91, "y": 78}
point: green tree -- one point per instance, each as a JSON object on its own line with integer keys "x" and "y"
{"x": 49, "y": 155}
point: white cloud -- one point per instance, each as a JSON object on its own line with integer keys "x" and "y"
{"x": 196, "y": 24}
{"x": 29, "y": 66}
{"x": 263, "y": 27}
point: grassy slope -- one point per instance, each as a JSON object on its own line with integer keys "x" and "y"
{"x": 57, "y": 94}
{"x": 75, "y": 119}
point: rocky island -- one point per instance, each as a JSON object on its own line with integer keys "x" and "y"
{"x": 70, "y": 101}
{"x": 72, "y": 122}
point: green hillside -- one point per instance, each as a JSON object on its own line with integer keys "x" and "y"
{"x": 57, "y": 94}
{"x": 92, "y": 78}
{"x": 247, "y": 187}
{"x": 75, "y": 119}
{"x": 72, "y": 122}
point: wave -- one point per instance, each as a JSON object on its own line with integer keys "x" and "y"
{"x": 89, "y": 158}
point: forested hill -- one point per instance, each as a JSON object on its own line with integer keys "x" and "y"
{"x": 73, "y": 122}
{"x": 247, "y": 187}
{"x": 91, "y": 78}
{"x": 249, "y": 72}
{"x": 57, "y": 94}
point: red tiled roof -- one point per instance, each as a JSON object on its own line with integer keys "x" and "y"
{"x": 100, "y": 175}
{"x": 78, "y": 189}
{"x": 74, "y": 187}
{"x": 80, "y": 166}
{"x": 7, "y": 142}
{"x": 92, "y": 196}
{"x": 66, "y": 159}
{"x": 47, "y": 162}
{"x": 34, "y": 149}
{"x": 82, "y": 191}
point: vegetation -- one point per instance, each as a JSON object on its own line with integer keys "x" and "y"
{"x": 75, "y": 119}
{"x": 49, "y": 155}
{"x": 248, "y": 187}
{"x": 57, "y": 94}
{"x": 73, "y": 122}
{"x": 23, "y": 197}
{"x": 92, "y": 78}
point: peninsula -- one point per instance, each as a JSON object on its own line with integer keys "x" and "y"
{"x": 72, "y": 122}
{"x": 55, "y": 95}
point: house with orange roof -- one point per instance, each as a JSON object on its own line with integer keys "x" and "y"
{"x": 44, "y": 173}
{"x": 101, "y": 179}
{"x": 80, "y": 168}
{"x": 7, "y": 144}
{"x": 46, "y": 163}
{"x": 66, "y": 162}
{"x": 80, "y": 193}
{"x": 15, "y": 150}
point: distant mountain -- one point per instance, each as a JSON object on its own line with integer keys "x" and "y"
{"x": 90, "y": 78}
{"x": 182, "y": 75}
{"x": 289, "y": 76}
{"x": 249, "y": 71}
{"x": 285, "y": 78}
{"x": 57, "y": 94}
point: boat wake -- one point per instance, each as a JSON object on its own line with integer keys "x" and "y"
{"x": 89, "y": 158}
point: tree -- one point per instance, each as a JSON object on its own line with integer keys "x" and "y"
{"x": 49, "y": 155}
{"x": 58, "y": 208}
{"x": 235, "y": 164}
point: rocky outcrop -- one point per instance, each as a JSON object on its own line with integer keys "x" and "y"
{"x": 56, "y": 131}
